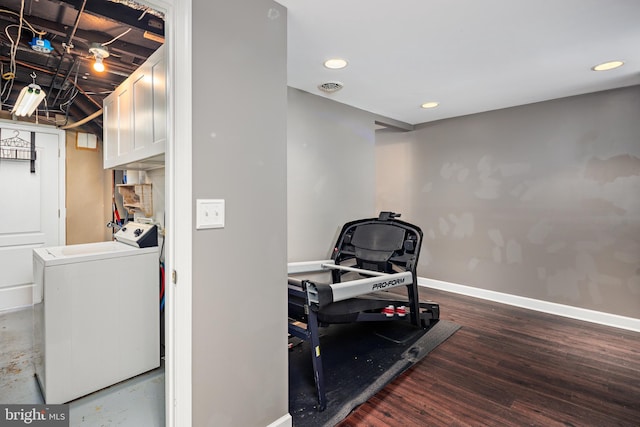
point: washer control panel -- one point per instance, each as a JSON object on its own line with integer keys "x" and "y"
{"x": 138, "y": 234}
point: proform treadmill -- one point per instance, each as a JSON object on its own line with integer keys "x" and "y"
{"x": 372, "y": 278}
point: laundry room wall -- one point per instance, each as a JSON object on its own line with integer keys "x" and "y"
{"x": 88, "y": 191}
{"x": 538, "y": 201}
{"x": 330, "y": 172}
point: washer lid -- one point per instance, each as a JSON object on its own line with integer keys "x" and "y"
{"x": 88, "y": 252}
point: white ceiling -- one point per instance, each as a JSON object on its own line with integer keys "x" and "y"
{"x": 469, "y": 55}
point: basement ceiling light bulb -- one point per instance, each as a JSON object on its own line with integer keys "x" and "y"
{"x": 99, "y": 52}
{"x": 335, "y": 63}
{"x": 605, "y": 66}
{"x": 98, "y": 65}
{"x": 431, "y": 104}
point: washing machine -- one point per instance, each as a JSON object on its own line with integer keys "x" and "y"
{"x": 96, "y": 313}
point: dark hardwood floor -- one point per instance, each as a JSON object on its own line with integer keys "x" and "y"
{"x": 509, "y": 366}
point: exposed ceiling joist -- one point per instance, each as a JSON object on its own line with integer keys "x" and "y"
{"x": 74, "y": 90}
{"x": 121, "y": 12}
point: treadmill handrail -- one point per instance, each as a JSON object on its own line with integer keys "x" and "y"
{"x": 308, "y": 266}
{"x": 323, "y": 265}
{"x": 353, "y": 288}
{"x": 333, "y": 266}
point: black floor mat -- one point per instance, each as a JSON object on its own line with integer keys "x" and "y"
{"x": 359, "y": 359}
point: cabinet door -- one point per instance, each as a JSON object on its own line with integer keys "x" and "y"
{"x": 110, "y": 134}
{"x": 159, "y": 73}
{"x": 125, "y": 134}
{"x": 135, "y": 127}
{"x": 142, "y": 110}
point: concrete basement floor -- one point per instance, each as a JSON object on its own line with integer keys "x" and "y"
{"x": 136, "y": 402}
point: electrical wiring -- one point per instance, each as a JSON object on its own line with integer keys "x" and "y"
{"x": 46, "y": 110}
{"x": 5, "y": 76}
{"x": 162, "y": 278}
{"x": 10, "y": 75}
{"x": 72, "y": 92}
{"x": 9, "y": 36}
{"x": 104, "y": 92}
{"x": 115, "y": 38}
{"x": 21, "y": 16}
{"x": 69, "y": 101}
{"x": 22, "y": 38}
{"x": 43, "y": 70}
{"x": 13, "y": 51}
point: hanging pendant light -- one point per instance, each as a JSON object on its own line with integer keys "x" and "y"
{"x": 99, "y": 52}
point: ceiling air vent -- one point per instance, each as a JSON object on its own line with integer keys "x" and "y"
{"x": 330, "y": 87}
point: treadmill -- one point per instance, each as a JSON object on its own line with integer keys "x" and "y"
{"x": 372, "y": 278}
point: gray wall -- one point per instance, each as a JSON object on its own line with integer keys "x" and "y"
{"x": 240, "y": 375}
{"x": 540, "y": 201}
{"x": 330, "y": 172}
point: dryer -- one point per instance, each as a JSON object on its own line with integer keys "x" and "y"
{"x": 96, "y": 313}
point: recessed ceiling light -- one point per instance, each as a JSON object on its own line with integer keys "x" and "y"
{"x": 431, "y": 104}
{"x": 335, "y": 63}
{"x": 607, "y": 66}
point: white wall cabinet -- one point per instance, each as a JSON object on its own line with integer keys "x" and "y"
{"x": 135, "y": 129}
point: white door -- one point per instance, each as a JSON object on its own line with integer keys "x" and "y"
{"x": 31, "y": 207}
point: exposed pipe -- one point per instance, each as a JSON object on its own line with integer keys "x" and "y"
{"x": 75, "y": 26}
{"x": 66, "y": 47}
{"x": 83, "y": 121}
{"x": 67, "y": 77}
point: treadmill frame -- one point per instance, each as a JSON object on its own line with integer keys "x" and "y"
{"x": 387, "y": 269}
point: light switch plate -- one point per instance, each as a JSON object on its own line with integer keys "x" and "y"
{"x": 209, "y": 213}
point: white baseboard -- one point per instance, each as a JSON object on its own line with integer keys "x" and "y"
{"x": 593, "y": 316}
{"x": 283, "y": 421}
{"x": 16, "y": 297}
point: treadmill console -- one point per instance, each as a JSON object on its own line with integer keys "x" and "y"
{"x": 138, "y": 234}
